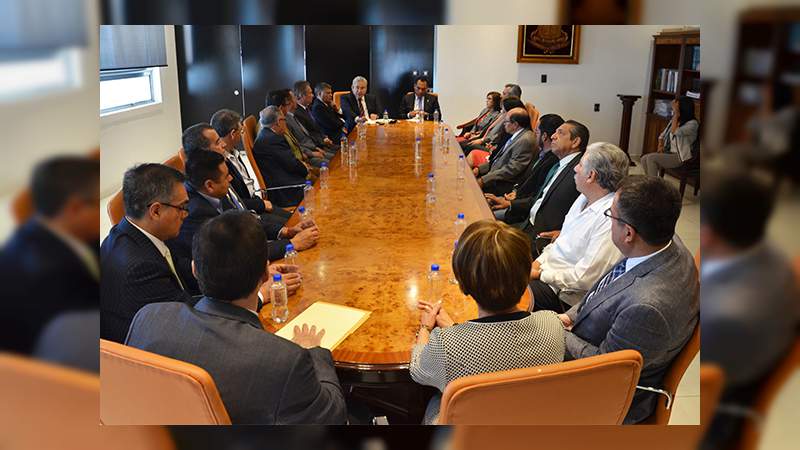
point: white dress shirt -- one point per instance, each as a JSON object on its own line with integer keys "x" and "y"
{"x": 244, "y": 171}
{"x": 630, "y": 263}
{"x": 162, "y": 248}
{"x": 420, "y": 103}
{"x": 583, "y": 251}
{"x": 561, "y": 164}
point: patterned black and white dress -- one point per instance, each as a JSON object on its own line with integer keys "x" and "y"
{"x": 490, "y": 344}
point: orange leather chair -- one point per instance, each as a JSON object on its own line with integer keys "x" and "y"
{"x": 337, "y": 98}
{"x": 248, "y": 141}
{"x": 50, "y": 406}
{"x": 533, "y": 113}
{"x": 752, "y": 427}
{"x": 712, "y": 380}
{"x": 142, "y": 388}
{"x": 589, "y": 391}
{"x": 671, "y": 380}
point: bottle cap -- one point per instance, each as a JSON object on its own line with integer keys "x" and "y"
{"x": 308, "y": 183}
{"x": 302, "y": 209}
{"x": 460, "y": 156}
{"x": 289, "y": 248}
{"x": 276, "y": 277}
{"x": 430, "y": 175}
{"x": 321, "y": 165}
{"x": 434, "y": 267}
{"x": 460, "y": 215}
{"x": 455, "y": 244}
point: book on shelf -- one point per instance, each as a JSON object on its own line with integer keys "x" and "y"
{"x": 692, "y": 94}
{"x": 696, "y": 58}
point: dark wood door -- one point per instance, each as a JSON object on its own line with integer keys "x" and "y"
{"x": 209, "y": 71}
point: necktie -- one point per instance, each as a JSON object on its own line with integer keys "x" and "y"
{"x": 547, "y": 179}
{"x": 361, "y": 107}
{"x": 420, "y": 106}
{"x": 168, "y": 257}
{"x": 615, "y": 273}
{"x": 294, "y": 146}
{"x": 234, "y": 199}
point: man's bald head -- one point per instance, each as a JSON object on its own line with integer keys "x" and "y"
{"x": 520, "y": 117}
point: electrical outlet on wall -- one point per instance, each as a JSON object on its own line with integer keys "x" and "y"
{"x": 544, "y": 78}
{"x": 596, "y": 107}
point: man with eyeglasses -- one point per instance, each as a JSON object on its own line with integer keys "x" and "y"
{"x": 137, "y": 266}
{"x": 648, "y": 301}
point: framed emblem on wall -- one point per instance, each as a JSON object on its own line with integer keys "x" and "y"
{"x": 553, "y": 44}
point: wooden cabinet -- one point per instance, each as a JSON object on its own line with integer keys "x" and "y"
{"x": 675, "y": 70}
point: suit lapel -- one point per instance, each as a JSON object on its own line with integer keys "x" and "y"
{"x": 144, "y": 242}
{"x": 561, "y": 176}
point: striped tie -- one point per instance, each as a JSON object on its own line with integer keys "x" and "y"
{"x": 615, "y": 273}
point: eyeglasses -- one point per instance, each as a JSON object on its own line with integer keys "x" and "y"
{"x": 184, "y": 208}
{"x": 607, "y": 213}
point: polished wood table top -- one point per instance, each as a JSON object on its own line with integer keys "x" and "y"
{"x": 378, "y": 239}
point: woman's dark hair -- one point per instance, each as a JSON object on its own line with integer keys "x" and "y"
{"x": 512, "y": 102}
{"x": 685, "y": 109}
{"x": 492, "y": 264}
{"x": 495, "y": 100}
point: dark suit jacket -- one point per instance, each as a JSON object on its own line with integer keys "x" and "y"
{"x": 328, "y": 119}
{"x": 555, "y": 204}
{"x": 40, "y": 277}
{"x": 252, "y": 203}
{"x": 350, "y": 108}
{"x": 508, "y": 163}
{"x": 304, "y": 117}
{"x": 535, "y": 175}
{"x": 134, "y": 274}
{"x": 279, "y": 167}
{"x": 430, "y": 104}
{"x": 261, "y": 378}
{"x": 652, "y": 309}
{"x": 200, "y": 211}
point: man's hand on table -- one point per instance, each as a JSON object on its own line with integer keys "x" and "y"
{"x": 307, "y": 337}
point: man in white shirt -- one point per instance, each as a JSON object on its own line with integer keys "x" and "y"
{"x": 582, "y": 250}
{"x": 357, "y": 105}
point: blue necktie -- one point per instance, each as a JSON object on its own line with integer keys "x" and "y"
{"x": 615, "y": 273}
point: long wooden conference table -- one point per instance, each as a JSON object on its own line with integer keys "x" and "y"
{"x": 378, "y": 239}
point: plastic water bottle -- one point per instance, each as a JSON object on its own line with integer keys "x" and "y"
{"x": 434, "y": 285}
{"x": 431, "y": 196}
{"x": 453, "y": 274}
{"x": 290, "y": 256}
{"x": 308, "y": 196}
{"x": 460, "y": 224}
{"x": 304, "y": 213}
{"x": 280, "y": 299}
{"x": 417, "y": 154}
{"x": 353, "y": 154}
{"x": 323, "y": 176}
{"x": 385, "y": 115}
{"x": 461, "y": 168}
{"x": 436, "y": 116}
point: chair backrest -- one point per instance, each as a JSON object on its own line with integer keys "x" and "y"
{"x": 533, "y": 113}
{"x": 248, "y": 141}
{"x": 177, "y": 161}
{"x": 142, "y": 388}
{"x": 673, "y": 376}
{"x": 712, "y": 380}
{"x": 589, "y": 391}
{"x": 751, "y": 430}
{"x": 51, "y": 406}
{"x": 337, "y": 98}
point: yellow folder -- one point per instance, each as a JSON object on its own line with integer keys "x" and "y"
{"x": 337, "y": 320}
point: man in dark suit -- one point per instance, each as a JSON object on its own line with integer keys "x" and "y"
{"x": 276, "y": 160}
{"x": 545, "y": 210}
{"x": 420, "y": 101}
{"x": 49, "y": 266}
{"x": 648, "y": 302}
{"x": 509, "y": 162}
{"x": 208, "y": 183}
{"x": 299, "y": 136}
{"x": 358, "y": 106}
{"x": 536, "y": 173}
{"x": 747, "y": 282}
{"x": 271, "y": 380}
{"x": 305, "y": 97}
{"x": 228, "y": 126}
{"x": 138, "y": 268}
{"x": 325, "y": 112}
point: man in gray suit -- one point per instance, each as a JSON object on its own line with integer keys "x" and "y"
{"x": 649, "y": 301}
{"x": 262, "y": 378}
{"x": 507, "y": 166}
{"x": 749, "y": 310}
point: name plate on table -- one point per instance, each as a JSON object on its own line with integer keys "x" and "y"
{"x": 338, "y": 321}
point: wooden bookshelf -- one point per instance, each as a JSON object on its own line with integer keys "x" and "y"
{"x": 671, "y": 51}
{"x": 768, "y": 50}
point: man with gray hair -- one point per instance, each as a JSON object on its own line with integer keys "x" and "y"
{"x": 357, "y": 105}
{"x": 277, "y": 161}
{"x": 583, "y": 250}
